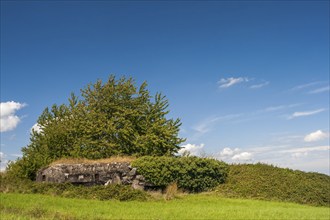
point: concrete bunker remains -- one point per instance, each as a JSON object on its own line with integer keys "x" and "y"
{"x": 93, "y": 174}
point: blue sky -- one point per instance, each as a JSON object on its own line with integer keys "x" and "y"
{"x": 249, "y": 79}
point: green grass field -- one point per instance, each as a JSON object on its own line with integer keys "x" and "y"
{"x": 201, "y": 206}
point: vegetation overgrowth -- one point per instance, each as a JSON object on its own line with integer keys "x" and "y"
{"x": 192, "y": 206}
{"x": 109, "y": 118}
{"x": 256, "y": 181}
{"x": 89, "y": 161}
{"x": 99, "y": 192}
{"x": 193, "y": 174}
{"x": 267, "y": 182}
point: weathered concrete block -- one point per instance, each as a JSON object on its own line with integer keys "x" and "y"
{"x": 93, "y": 174}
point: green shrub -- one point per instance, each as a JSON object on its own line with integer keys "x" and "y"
{"x": 193, "y": 174}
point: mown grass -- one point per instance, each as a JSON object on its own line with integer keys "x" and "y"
{"x": 261, "y": 181}
{"x": 196, "y": 206}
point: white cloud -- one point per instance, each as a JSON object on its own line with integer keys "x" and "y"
{"x": 193, "y": 149}
{"x": 316, "y": 136}
{"x": 8, "y": 119}
{"x": 36, "y": 127}
{"x": 228, "y": 152}
{"x": 306, "y": 113}
{"x": 9, "y": 108}
{"x": 228, "y": 82}
{"x": 235, "y": 154}
{"x": 257, "y": 86}
{"x": 320, "y": 90}
{"x": 244, "y": 156}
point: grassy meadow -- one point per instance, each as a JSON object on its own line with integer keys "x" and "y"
{"x": 192, "y": 206}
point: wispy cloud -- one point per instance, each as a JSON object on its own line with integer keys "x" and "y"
{"x": 257, "y": 86}
{"x": 319, "y": 90}
{"x": 306, "y": 85}
{"x": 313, "y": 87}
{"x": 288, "y": 139}
{"x": 271, "y": 150}
{"x": 311, "y": 158}
{"x": 305, "y": 113}
{"x": 252, "y": 83}
{"x": 8, "y": 119}
{"x": 228, "y": 82}
{"x": 207, "y": 124}
{"x": 280, "y": 107}
{"x": 275, "y": 108}
{"x": 306, "y": 149}
{"x": 316, "y": 136}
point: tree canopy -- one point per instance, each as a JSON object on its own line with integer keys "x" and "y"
{"x": 111, "y": 118}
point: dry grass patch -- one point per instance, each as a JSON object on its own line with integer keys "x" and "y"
{"x": 171, "y": 191}
{"x": 88, "y": 161}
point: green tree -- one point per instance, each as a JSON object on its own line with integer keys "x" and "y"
{"x": 111, "y": 118}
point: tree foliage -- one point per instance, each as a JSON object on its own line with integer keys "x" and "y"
{"x": 111, "y": 118}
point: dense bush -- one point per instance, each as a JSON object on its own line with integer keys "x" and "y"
{"x": 268, "y": 182}
{"x": 193, "y": 174}
{"x": 10, "y": 184}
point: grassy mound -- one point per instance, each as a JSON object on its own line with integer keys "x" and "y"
{"x": 263, "y": 181}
